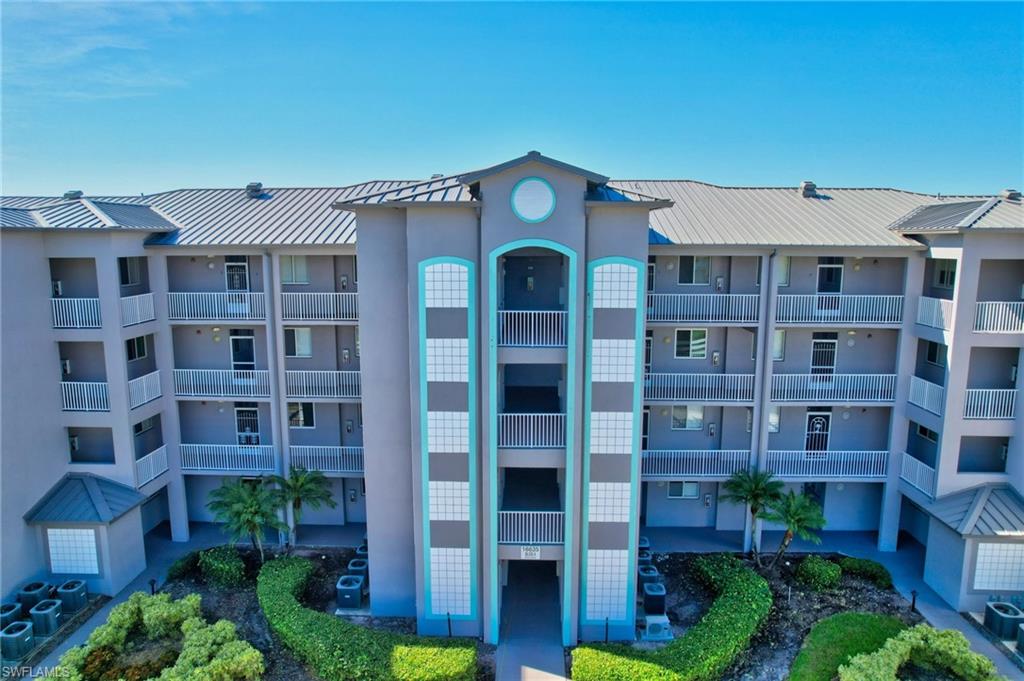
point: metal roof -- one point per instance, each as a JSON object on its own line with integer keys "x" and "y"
{"x": 531, "y": 157}
{"x": 446, "y": 189}
{"x": 992, "y": 510}
{"x": 990, "y": 213}
{"x": 37, "y": 213}
{"x": 84, "y": 498}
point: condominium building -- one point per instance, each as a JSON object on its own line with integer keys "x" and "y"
{"x": 526, "y": 363}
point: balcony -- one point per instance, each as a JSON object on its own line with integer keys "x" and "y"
{"x": 699, "y": 387}
{"x": 322, "y": 384}
{"x": 76, "y": 313}
{"x": 795, "y": 465}
{"x": 927, "y": 395}
{"x": 320, "y": 307}
{"x": 844, "y": 388}
{"x": 216, "y": 306}
{"x": 144, "y": 389}
{"x": 221, "y": 383}
{"x": 999, "y": 317}
{"x": 531, "y": 431}
{"x": 823, "y": 309}
{"x": 715, "y": 308}
{"x": 235, "y": 458}
{"x": 137, "y": 309}
{"x": 531, "y": 527}
{"x": 84, "y": 396}
{"x": 328, "y": 459}
{"x": 532, "y": 328}
{"x": 918, "y": 474}
{"x": 693, "y": 463}
{"x": 990, "y": 404}
{"x": 151, "y": 466}
{"x": 935, "y": 312}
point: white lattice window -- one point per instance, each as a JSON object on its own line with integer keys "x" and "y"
{"x": 613, "y": 361}
{"x": 1000, "y": 567}
{"x": 609, "y": 502}
{"x": 448, "y": 431}
{"x": 611, "y": 432}
{"x": 449, "y": 500}
{"x": 449, "y": 581}
{"x": 446, "y": 285}
{"x": 448, "y": 360}
{"x": 607, "y": 584}
{"x": 72, "y": 551}
{"x": 615, "y": 286}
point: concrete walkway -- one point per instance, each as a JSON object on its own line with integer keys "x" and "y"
{"x": 530, "y": 647}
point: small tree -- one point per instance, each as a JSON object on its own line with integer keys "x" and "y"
{"x": 246, "y": 508}
{"x": 302, "y": 487}
{"x": 800, "y": 514}
{"x": 756, "y": 490}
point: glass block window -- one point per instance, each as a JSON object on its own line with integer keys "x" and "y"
{"x": 448, "y": 360}
{"x": 448, "y": 431}
{"x": 1000, "y": 567}
{"x": 446, "y": 285}
{"x": 607, "y": 584}
{"x": 609, "y": 502}
{"x": 613, "y": 360}
{"x": 615, "y": 286}
{"x": 611, "y": 432}
{"x": 449, "y": 581}
{"x": 449, "y": 500}
{"x": 72, "y": 551}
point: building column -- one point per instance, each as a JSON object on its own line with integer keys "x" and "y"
{"x": 770, "y": 266}
{"x": 275, "y": 368}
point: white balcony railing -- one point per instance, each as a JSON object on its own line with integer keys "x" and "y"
{"x": 151, "y": 466}
{"x": 693, "y": 463}
{"x": 76, "y": 313}
{"x": 935, "y": 312}
{"x": 985, "y": 403}
{"x": 833, "y": 387}
{"x": 531, "y": 431}
{"x": 839, "y": 309}
{"x": 699, "y": 387}
{"x": 333, "y": 307}
{"x": 531, "y": 527}
{"x": 327, "y": 459}
{"x": 927, "y": 395}
{"x": 999, "y": 317}
{"x": 326, "y": 384}
{"x": 144, "y": 389}
{"x": 242, "y": 458}
{"x": 215, "y": 306}
{"x": 221, "y": 383}
{"x": 832, "y": 464}
{"x": 918, "y": 473}
{"x": 702, "y": 307}
{"x": 137, "y": 309}
{"x": 84, "y": 396}
{"x": 532, "y": 328}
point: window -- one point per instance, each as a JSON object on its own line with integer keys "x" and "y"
{"x": 144, "y": 425}
{"x": 651, "y": 267}
{"x": 778, "y": 345}
{"x": 130, "y": 270}
{"x": 1000, "y": 567}
{"x": 691, "y": 343}
{"x": 293, "y": 269}
{"x": 359, "y": 414}
{"x": 750, "y": 420}
{"x": 357, "y": 342}
{"x": 136, "y": 348}
{"x": 72, "y": 551}
{"x": 683, "y": 490}
{"x": 355, "y": 269}
{"x": 687, "y": 417}
{"x": 944, "y": 274}
{"x": 774, "y": 419}
{"x": 648, "y": 351}
{"x": 935, "y": 353}
{"x": 298, "y": 342}
{"x": 300, "y": 415}
{"x": 784, "y": 265}
{"x": 694, "y": 269}
{"x": 927, "y": 433}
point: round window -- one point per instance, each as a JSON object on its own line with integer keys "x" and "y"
{"x": 533, "y": 199}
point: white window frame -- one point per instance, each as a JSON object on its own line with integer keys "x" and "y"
{"x": 295, "y": 332}
{"x": 774, "y": 414}
{"x": 682, "y": 486}
{"x": 785, "y": 265}
{"x": 288, "y": 272}
{"x": 687, "y": 421}
{"x": 675, "y": 349}
{"x": 926, "y": 437}
{"x": 652, "y": 274}
{"x": 944, "y": 274}
{"x": 777, "y": 345}
{"x": 693, "y": 270}
{"x": 133, "y": 268}
{"x": 302, "y": 425}
{"x": 939, "y": 354}
{"x": 133, "y": 344}
{"x": 147, "y": 424}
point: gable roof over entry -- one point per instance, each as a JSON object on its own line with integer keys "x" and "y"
{"x": 992, "y": 510}
{"x": 83, "y": 498}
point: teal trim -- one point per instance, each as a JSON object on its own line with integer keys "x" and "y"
{"x": 568, "y": 637}
{"x": 424, "y": 438}
{"x": 512, "y": 200}
{"x": 634, "y": 482}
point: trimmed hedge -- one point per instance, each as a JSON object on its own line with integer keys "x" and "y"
{"x": 834, "y": 640}
{"x": 707, "y": 649}
{"x": 337, "y": 650}
{"x": 222, "y": 566}
{"x": 184, "y": 567}
{"x": 819, "y": 574}
{"x": 870, "y": 570}
{"x": 938, "y": 649}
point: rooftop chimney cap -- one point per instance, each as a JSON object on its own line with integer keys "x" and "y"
{"x": 808, "y": 188}
{"x": 73, "y": 194}
{"x": 254, "y": 189}
{"x": 1010, "y": 194}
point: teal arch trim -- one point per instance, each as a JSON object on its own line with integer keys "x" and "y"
{"x": 568, "y": 636}
{"x": 634, "y": 482}
{"x": 512, "y": 204}
{"x": 424, "y": 442}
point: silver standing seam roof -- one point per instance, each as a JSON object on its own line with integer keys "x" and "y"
{"x": 84, "y": 498}
{"x": 990, "y": 213}
{"x": 993, "y": 510}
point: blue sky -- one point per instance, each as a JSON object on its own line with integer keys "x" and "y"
{"x": 143, "y": 97}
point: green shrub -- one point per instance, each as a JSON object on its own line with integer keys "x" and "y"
{"x": 162, "y": 617}
{"x": 185, "y": 567}
{"x": 834, "y": 640}
{"x": 222, "y": 566}
{"x": 337, "y": 650}
{"x": 818, "y": 573}
{"x": 214, "y": 652}
{"x": 870, "y": 570}
{"x": 946, "y": 650}
{"x": 708, "y": 648}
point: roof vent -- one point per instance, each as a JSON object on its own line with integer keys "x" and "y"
{"x": 73, "y": 194}
{"x": 808, "y": 189}
{"x": 254, "y": 190}
{"x": 1010, "y": 195}
{"x": 436, "y": 176}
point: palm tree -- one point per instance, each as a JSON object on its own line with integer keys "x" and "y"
{"x": 800, "y": 514}
{"x": 246, "y": 508}
{"x": 302, "y": 487}
{"x": 756, "y": 490}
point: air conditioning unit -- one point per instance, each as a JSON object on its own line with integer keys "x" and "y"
{"x": 65, "y": 367}
{"x": 657, "y": 628}
{"x": 58, "y": 288}
{"x": 73, "y": 443}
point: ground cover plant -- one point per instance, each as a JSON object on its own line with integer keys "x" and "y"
{"x": 942, "y": 650}
{"x": 834, "y": 640}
